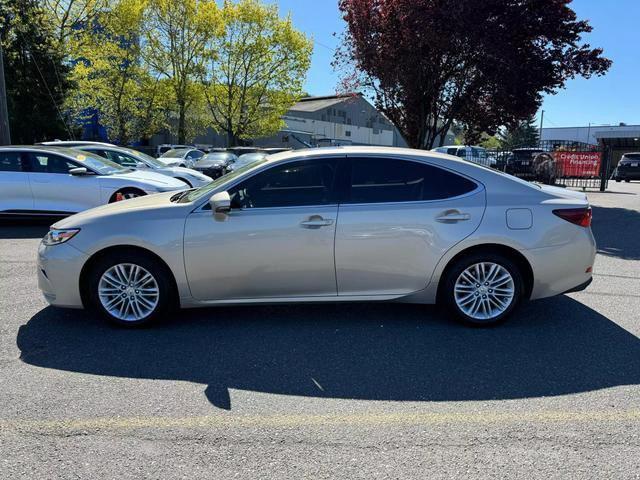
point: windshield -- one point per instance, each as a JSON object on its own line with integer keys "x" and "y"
{"x": 175, "y": 153}
{"x": 148, "y": 159}
{"x": 210, "y": 187}
{"x": 95, "y": 162}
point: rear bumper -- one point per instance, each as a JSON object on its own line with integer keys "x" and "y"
{"x": 563, "y": 268}
{"x": 580, "y": 287}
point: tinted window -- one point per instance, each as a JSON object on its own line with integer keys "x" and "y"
{"x": 376, "y": 180}
{"x": 10, "y": 162}
{"x": 48, "y": 163}
{"x": 631, "y": 156}
{"x": 300, "y": 183}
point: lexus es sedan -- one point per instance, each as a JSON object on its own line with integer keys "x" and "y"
{"x": 129, "y": 158}
{"x": 337, "y": 224}
{"x": 57, "y": 181}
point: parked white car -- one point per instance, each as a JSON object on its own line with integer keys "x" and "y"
{"x": 165, "y": 147}
{"x": 41, "y": 180}
{"x": 471, "y": 153}
{"x": 130, "y": 158}
{"x": 181, "y": 157}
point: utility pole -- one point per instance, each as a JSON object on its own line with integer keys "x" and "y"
{"x": 5, "y": 134}
{"x": 541, "y": 123}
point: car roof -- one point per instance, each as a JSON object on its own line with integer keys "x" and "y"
{"x": 39, "y": 148}
{"x": 354, "y": 150}
{"x": 67, "y": 143}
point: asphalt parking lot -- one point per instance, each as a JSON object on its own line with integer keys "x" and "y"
{"x": 349, "y": 391}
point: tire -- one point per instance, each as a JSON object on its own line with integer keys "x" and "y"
{"x": 500, "y": 310}
{"x": 105, "y": 283}
{"x": 127, "y": 193}
{"x": 185, "y": 181}
{"x": 617, "y": 180}
{"x": 627, "y": 180}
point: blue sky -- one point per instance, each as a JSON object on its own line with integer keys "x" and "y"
{"x": 610, "y": 99}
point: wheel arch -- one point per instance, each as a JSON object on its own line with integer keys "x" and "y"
{"x": 93, "y": 259}
{"x": 514, "y": 255}
{"x": 123, "y": 190}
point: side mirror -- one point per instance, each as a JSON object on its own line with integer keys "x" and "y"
{"x": 220, "y": 202}
{"x": 78, "y": 171}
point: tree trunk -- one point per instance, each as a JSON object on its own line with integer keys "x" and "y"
{"x": 181, "y": 122}
{"x": 231, "y": 138}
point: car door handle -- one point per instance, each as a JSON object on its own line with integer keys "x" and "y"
{"x": 453, "y": 216}
{"x": 316, "y": 221}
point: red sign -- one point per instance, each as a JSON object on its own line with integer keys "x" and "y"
{"x": 578, "y": 164}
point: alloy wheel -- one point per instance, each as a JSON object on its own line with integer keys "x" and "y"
{"x": 484, "y": 290}
{"x": 128, "y": 292}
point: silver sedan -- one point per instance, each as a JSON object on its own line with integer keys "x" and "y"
{"x": 327, "y": 225}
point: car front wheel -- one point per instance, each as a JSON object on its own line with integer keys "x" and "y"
{"x": 483, "y": 289}
{"x": 130, "y": 289}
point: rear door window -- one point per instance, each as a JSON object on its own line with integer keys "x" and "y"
{"x": 383, "y": 180}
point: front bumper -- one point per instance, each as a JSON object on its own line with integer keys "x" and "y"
{"x": 213, "y": 172}
{"x": 59, "y": 268}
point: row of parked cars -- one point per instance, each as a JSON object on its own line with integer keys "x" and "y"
{"x": 62, "y": 178}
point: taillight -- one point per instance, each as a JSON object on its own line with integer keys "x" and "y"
{"x": 577, "y": 216}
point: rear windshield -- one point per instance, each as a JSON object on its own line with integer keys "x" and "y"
{"x": 631, "y": 156}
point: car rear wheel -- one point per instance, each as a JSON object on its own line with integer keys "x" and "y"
{"x": 130, "y": 289}
{"x": 483, "y": 289}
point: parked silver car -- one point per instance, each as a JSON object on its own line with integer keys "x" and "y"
{"x": 327, "y": 225}
{"x": 130, "y": 158}
{"x": 181, "y": 157}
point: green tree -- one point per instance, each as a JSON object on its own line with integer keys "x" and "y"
{"x": 256, "y": 72}
{"x": 490, "y": 142}
{"x": 112, "y": 79}
{"x": 67, "y": 17}
{"x": 525, "y": 134}
{"x": 35, "y": 74}
{"x": 176, "y": 32}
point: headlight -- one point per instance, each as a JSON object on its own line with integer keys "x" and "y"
{"x": 56, "y": 236}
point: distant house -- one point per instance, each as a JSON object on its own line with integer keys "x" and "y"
{"x": 347, "y": 119}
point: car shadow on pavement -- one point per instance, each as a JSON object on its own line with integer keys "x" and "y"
{"x": 20, "y": 229}
{"x": 617, "y": 232}
{"x": 357, "y": 351}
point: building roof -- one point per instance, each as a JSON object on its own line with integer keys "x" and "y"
{"x": 313, "y": 104}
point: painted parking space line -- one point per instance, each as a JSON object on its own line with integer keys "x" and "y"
{"x": 295, "y": 420}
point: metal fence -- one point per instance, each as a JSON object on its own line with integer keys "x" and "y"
{"x": 555, "y": 162}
